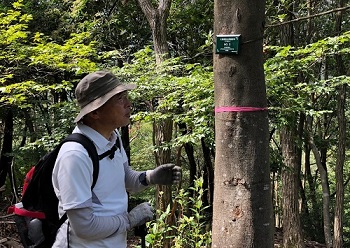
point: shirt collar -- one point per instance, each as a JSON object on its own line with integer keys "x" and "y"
{"x": 100, "y": 141}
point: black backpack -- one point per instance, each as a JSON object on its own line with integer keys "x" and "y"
{"x": 37, "y": 216}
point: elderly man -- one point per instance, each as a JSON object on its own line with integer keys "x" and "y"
{"x": 99, "y": 217}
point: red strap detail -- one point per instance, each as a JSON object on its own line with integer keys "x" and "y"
{"x": 28, "y": 178}
{"x": 33, "y": 214}
{"x": 10, "y": 209}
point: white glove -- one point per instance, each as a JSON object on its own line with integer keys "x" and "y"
{"x": 164, "y": 174}
{"x": 140, "y": 214}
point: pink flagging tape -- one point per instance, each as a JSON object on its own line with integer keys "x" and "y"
{"x": 238, "y": 109}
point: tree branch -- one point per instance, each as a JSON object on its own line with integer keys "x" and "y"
{"x": 276, "y": 24}
{"x": 148, "y": 10}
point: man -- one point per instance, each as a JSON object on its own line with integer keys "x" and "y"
{"x": 99, "y": 217}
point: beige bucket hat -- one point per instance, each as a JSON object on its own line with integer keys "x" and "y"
{"x": 95, "y": 89}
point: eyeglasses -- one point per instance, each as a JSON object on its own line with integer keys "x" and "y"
{"x": 120, "y": 98}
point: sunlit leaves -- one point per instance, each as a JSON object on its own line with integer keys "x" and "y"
{"x": 73, "y": 55}
{"x": 37, "y": 76}
{"x": 24, "y": 94}
{"x": 295, "y": 78}
{"x": 22, "y": 51}
{"x": 13, "y": 25}
{"x": 176, "y": 90}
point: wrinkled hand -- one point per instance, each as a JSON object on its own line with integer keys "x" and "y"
{"x": 164, "y": 174}
{"x": 140, "y": 214}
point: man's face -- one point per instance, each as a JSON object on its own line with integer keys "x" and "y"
{"x": 116, "y": 111}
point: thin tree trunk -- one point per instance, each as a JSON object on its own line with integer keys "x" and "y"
{"x": 163, "y": 134}
{"x": 208, "y": 184}
{"x": 157, "y": 19}
{"x": 310, "y": 6}
{"x": 6, "y": 151}
{"x": 309, "y": 178}
{"x": 292, "y": 231}
{"x": 276, "y": 202}
{"x": 190, "y": 155}
{"x": 339, "y": 173}
{"x": 292, "y": 236}
{"x": 325, "y": 188}
{"x": 162, "y": 131}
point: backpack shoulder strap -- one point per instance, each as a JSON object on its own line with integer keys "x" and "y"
{"x": 91, "y": 149}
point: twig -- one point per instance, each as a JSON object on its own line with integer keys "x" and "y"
{"x": 6, "y": 216}
{"x": 276, "y": 24}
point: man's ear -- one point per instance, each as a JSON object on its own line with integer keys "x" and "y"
{"x": 94, "y": 115}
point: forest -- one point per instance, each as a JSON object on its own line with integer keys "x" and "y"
{"x": 166, "y": 48}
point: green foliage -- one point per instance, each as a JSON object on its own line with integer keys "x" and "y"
{"x": 37, "y": 55}
{"x": 13, "y": 36}
{"x": 306, "y": 80}
{"x": 27, "y": 94}
{"x": 141, "y": 146}
{"x": 190, "y": 229}
{"x": 113, "y": 24}
{"x": 36, "y": 80}
{"x": 189, "y": 23}
{"x": 183, "y": 92}
{"x": 293, "y": 77}
{"x": 73, "y": 55}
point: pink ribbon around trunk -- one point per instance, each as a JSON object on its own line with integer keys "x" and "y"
{"x": 238, "y": 109}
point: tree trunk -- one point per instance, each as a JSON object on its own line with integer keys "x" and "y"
{"x": 190, "y": 155}
{"x": 242, "y": 211}
{"x": 126, "y": 140}
{"x": 310, "y": 6}
{"x": 292, "y": 236}
{"x": 339, "y": 173}
{"x": 309, "y": 177}
{"x": 314, "y": 224}
{"x": 292, "y": 231}
{"x": 325, "y": 188}
{"x": 157, "y": 19}
{"x": 6, "y": 152}
{"x": 208, "y": 184}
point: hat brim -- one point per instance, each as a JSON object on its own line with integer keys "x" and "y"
{"x": 95, "y": 104}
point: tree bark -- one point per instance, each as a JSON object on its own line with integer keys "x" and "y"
{"x": 292, "y": 236}
{"x": 242, "y": 211}
{"x": 325, "y": 188}
{"x": 208, "y": 184}
{"x": 157, "y": 19}
{"x": 339, "y": 172}
{"x": 292, "y": 231}
{"x": 190, "y": 155}
{"x": 6, "y": 151}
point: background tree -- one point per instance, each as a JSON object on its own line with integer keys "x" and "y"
{"x": 340, "y": 157}
{"x": 291, "y": 153}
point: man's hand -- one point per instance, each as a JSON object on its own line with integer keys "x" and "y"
{"x": 140, "y": 214}
{"x": 164, "y": 174}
